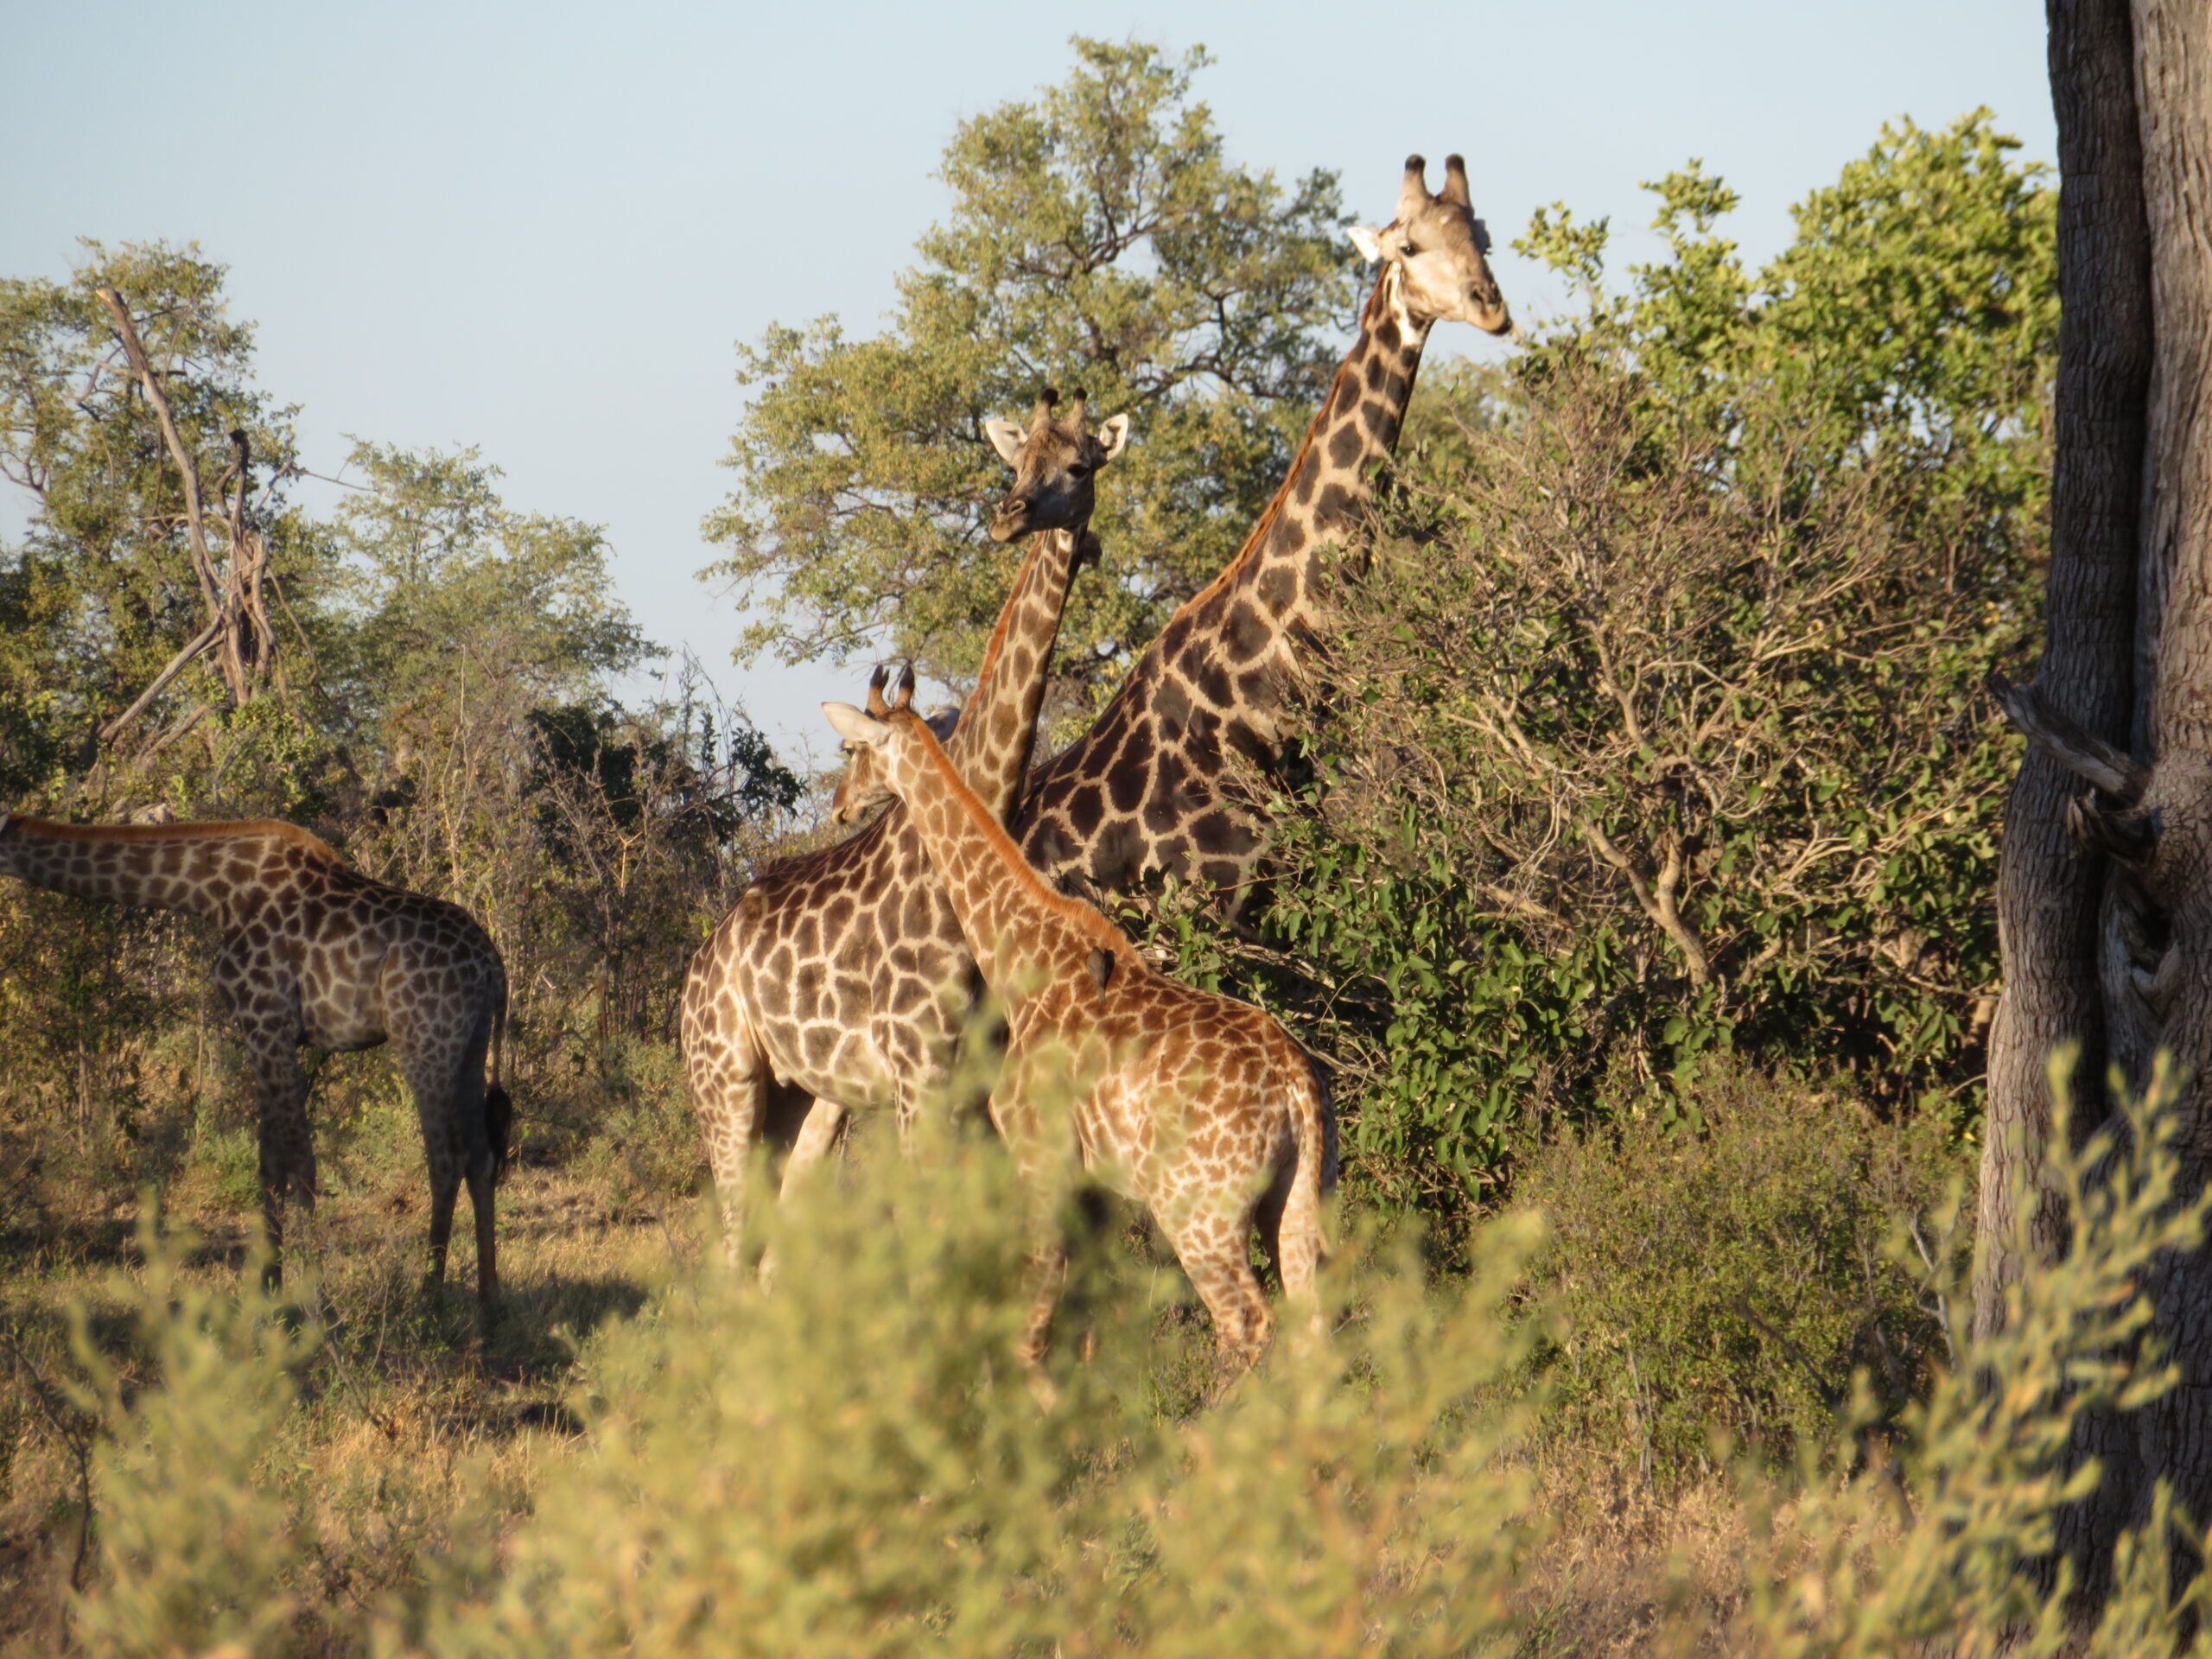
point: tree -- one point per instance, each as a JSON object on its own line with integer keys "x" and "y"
{"x": 1099, "y": 237}
{"x": 2105, "y": 900}
{"x": 143, "y": 594}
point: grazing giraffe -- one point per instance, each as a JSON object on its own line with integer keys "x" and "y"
{"x": 311, "y": 953}
{"x": 1143, "y": 790}
{"x": 840, "y": 975}
{"x": 1200, "y": 1106}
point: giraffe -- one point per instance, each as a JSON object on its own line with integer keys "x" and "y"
{"x": 840, "y": 978}
{"x": 1200, "y": 1106}
{"x": 1143, "y": 790}
{"x": 311, "y": 953}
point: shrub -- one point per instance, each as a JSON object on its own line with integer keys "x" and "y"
{"x": 1733, "y": 1271}
{"x": 199, "y": 1536}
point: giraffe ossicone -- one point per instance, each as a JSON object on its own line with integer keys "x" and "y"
{"x": 840, "y": 979}
{"x": 311, "y": 953}
{"x": 1199, "y": 1106}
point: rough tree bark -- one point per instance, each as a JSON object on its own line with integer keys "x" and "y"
{"x": 2104, "y": 898}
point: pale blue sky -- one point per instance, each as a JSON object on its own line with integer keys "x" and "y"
{"x": 540, "y": 229}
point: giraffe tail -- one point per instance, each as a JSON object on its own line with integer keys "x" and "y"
{"x": 1301, "y": 1242}
{"x": 498, "y": 1104}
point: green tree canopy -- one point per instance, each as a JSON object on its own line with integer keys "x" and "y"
{"x": 1099, "y": 237}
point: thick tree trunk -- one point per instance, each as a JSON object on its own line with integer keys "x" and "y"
{"x": 2171, "y": 991}
{"x": 2049, "y": 891}
{"x": 2111, "y": 948}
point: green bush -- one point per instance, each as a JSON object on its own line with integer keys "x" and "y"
{"x": 1733, "y": 1271}
{"x": 200, "y": 1537}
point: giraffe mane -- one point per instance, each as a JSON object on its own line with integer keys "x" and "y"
{"x": 1272, "y": 510}
{"x": 1005, "y": 611}
{"x": 1087, "y": 919}
{"x": 237, "y": 828}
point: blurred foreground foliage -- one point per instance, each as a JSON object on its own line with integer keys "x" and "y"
{"x": 853, "y": 1466}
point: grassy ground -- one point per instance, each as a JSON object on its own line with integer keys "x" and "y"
{"x": 412, "y": 1418}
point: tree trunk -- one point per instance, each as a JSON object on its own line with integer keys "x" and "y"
{"x": 2049, "y": 892}
{"x": 2167, "y": 986}
{"x": 2108, "y": 945}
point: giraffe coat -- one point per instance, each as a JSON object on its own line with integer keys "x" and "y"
{"x": 840, "y": 976}
{"x": 1145, "y": 789}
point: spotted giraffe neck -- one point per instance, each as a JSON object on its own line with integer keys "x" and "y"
{"x": 1329, "y": 482}
{"x": 1021, "y": 933}
{"x": 189, "y": 867}
{"x": 1141, "y": 789}
{"x": 991, "y": 745}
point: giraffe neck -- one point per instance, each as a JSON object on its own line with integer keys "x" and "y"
{"x": 199, "y": 867}
{"x": 998, "y": 729}
{"x": 1021, "y": 933}
{"x": 1255, "y": 608}
{"x": 1143, "y": 788}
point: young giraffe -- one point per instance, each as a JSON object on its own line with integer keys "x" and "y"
{"x": 840, "y": 973}
{"x": 1142, "y": 790}
{"x": 311, "y": 953}
{"x": 1201, "y": 1106}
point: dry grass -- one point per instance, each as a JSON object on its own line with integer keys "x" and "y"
{"x": 411, "y": 1421}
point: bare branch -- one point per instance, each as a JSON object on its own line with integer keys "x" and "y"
{"x": 1657, "y": 895}
{"x": 177, "y": 664}
{"x": 2087, "y": 757}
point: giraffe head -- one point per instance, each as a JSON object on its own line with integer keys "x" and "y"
{"x": 862, "y": 789}
{"x": 891, "y": 735}
{"x": 1439, "y": 245}
{"x": 1055, "y": 465}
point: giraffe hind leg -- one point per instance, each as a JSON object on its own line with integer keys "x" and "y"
{"x": 445, "y": 1073}
{"x": 817, "y": 1135}
{"x": 285, "y": 1149}
{"x": 1215, "y": 1249}
{"x": 729, "y": 1078}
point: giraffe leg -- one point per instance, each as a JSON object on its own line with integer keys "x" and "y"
{"x": 286, "y": 1150}
{"x": 729, "y": 1077}
{"x": 1214, "y": 1246}
{"x": 437, "y": 1043}
{"x": 817, "y": 1135}
{"x": 448, "y": 1081}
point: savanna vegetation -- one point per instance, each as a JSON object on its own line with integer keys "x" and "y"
{"x": 1635, "y": 882}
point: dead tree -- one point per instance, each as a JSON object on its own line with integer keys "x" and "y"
{"x": 234, "y": 594}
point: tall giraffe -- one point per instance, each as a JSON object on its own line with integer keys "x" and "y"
{"x": 1143, "y": 789}
{"x": 310, "y": 953}
{"x": 1200, "y": 1106}
{"x": 840, "y": 975}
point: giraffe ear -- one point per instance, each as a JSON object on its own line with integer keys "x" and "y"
{"x": 1113, "y": 436}
{"x": 1101, "y": 967}
{"x": 1007, "y": 438}
{"x": 1368, "y": 242}
{"x": 856, "y": 726}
